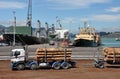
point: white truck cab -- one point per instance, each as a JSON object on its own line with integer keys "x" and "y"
{"x": 19, "y": 60}
{"x": 18, "y": 55}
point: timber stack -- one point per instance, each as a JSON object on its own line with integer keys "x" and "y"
{"x": 53, "y": 54}
{"x": 112, "y": 55}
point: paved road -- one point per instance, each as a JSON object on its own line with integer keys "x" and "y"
{"x": 77, "y": 52}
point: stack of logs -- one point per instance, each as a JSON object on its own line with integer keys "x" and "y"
{"x": 53, "y": 54}
{"x": 112, "y": 55}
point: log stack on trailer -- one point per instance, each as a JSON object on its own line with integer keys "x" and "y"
{"x": 112, "y": 55}
{"x": 53, "y": 54}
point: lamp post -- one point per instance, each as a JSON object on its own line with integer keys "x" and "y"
{"x": 14, "y": 28}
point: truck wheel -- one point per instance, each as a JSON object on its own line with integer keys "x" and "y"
{"x": 95, "y": 65}
{"x": 12, "y": 69}
{"x": 20, "y": 66}
{"x": 65, "y": 65}
{"x": 33, "y": 67}
{"x": 56, "y": 65}
{"x": 101, "y": 66}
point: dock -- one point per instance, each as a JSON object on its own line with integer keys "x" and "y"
{"x": 77, "y": 52}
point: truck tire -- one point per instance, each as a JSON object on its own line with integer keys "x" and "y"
{"x": 12, "y": 69}
{"x": 33, "y": 67}
{"x": 56, "y": 65}
{"x": 65, "y": 65}
{"x": 101, "y": 66}
{"x": 95, "y": 65}
{"x": 20, "y": 67}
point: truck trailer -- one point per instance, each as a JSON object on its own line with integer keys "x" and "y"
{"x": 111, "y": 56}
{"x": 56, "y": 58}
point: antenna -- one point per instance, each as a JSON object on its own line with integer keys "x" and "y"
{"x": 29, "y": 15}
{"x": 58, "y": 21}
{"x": 85, "y": 24}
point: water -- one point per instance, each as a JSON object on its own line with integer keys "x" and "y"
{"x": 110, "y": 42}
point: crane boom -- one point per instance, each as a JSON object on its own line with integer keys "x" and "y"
{"x": 29, "y": 15}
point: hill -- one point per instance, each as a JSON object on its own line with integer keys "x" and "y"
{"x": 111, "y": 35}
{"x": 2, "y": 29}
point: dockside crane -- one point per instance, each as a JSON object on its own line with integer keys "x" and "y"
{"x": 29, "y": 15}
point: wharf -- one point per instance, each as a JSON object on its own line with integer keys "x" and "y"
{"x": 77, "y": 52}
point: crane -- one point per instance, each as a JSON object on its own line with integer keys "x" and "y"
{"x": 29, "y": 14}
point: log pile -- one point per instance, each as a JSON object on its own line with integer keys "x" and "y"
{"x": 53, "y": 54}
{"x": 112, "y": 55}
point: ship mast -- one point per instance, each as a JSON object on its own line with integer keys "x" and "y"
{"x": 59, "y": 24}
{"x": 85, "y": 26}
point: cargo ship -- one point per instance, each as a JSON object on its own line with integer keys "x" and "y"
{"x": 87, "y": 37}
{"x": 25, "y": 36}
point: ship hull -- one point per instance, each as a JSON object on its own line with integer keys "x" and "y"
{"x": 85, "y": 43}
{"x": 24, "y": 39}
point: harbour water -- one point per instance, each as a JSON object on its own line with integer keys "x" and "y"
{"x": 110, "y": 42}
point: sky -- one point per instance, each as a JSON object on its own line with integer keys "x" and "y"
{"x": 103, "y": 15}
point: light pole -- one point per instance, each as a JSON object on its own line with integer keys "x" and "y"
{"x": 14, "y": 28}
{"x": 70, "y": 22}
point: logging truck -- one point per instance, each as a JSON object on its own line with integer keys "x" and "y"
{"x": 56, "y": 58}
{"x": 111, "y": 56}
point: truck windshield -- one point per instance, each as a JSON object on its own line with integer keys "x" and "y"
{"x": 16, "y": 53}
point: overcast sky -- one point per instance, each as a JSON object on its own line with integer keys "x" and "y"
{"x": 104, "y": 15}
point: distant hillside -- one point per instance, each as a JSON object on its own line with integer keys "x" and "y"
{"x": 112, "y": 35}
{"x": 2, "y": 29}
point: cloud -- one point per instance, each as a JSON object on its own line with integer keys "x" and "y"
{"x": 97, "y": 20}
{"x": 111, "y": 29}
{"x": 106, "y": 18}
{"x": 69, "y": 20}
{"x": 116, "y": 28}
{"x": 113, "y": 9}
{"x": 11, "y": 23}
{"x": 70, "y": 4}
{"x": 13, "y": 5}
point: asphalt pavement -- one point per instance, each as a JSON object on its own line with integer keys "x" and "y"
{"x": 77, "y": 52}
